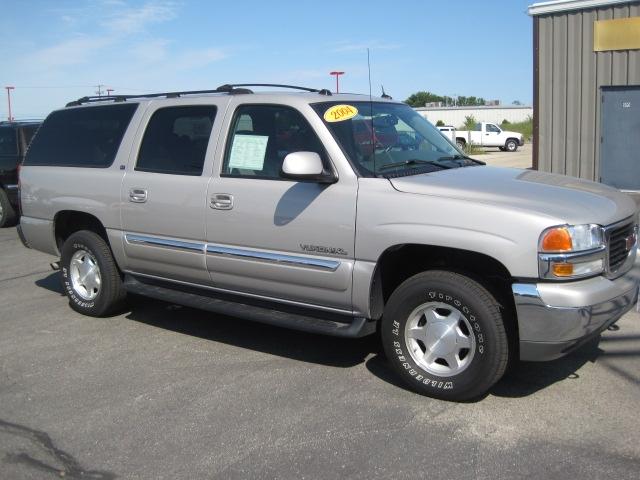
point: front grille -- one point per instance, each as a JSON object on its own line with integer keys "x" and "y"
{"x": 618, "y": 245}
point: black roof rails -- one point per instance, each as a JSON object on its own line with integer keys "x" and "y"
{"x": 231, "y": 87}
{"x": 227, "y": 88}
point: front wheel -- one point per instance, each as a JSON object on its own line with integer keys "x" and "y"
{"x": 444, "y": 335}
{"x": 511, "y": 145}
{"x": 90, "y": 276}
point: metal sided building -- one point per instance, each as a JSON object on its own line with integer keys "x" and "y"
{"x": 587, "y": 90}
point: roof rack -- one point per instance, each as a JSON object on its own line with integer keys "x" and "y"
{"x": 231, "y": 89}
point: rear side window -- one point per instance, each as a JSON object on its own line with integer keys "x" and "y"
{"x": 81, "y": 137}
{"x": 176, "y": 140}
{"x": 8, "y": 144}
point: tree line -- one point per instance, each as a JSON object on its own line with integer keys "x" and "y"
{"x": 419, "y": 99}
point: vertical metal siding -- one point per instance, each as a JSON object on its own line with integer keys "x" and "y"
{"x": 570, "y": 75}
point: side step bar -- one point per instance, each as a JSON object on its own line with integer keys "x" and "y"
{"x": 351, "y": 327}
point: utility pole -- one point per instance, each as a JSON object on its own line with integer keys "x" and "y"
{"x": 99, "y": 89}
{"x": 337, "y": 75}
{"x": 9, "y": 101}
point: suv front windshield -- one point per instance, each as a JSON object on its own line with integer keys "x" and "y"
{"x": 389, "y": 139}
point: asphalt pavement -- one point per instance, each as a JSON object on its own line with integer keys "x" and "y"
{"x": 521, "y": 158}
{"x": 164, "y": 392}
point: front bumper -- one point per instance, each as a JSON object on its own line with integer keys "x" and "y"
{"x": 555, "y": 318}
{"x": 521, "y": 142}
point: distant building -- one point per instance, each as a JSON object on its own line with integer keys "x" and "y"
{"x": 495, "y": 114}
{"x": 492, "y": 103}
{"x": 586, "y": 60}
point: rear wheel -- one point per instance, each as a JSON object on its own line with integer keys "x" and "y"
{"x": 443, "y": 334}
{"x": 90, "y": 276}
{"x": 460, "y": 143}
{"x": 8, "y": 214}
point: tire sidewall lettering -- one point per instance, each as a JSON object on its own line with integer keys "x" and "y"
{"x": 400, "y": 349}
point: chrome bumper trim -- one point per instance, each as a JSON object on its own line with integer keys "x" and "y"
{"x": 541, "y": 324}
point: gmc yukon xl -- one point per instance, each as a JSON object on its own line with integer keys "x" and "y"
{"x": 308, "y": 210}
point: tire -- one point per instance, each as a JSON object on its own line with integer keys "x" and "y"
{"x": 83, "y": 254}
{"x": 460, "y": 144}
{"x": 417, "y": 336}
{"x": 511, "y": 145}
{"x": 8, "y": 214}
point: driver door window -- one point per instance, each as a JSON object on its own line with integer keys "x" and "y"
{"x": 261, "y": 136}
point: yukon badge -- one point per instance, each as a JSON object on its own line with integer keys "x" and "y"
{"x": 321, "y": 249}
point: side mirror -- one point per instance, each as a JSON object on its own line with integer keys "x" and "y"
{"x": 306, "y": 166}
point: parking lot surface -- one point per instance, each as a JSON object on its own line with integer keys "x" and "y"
{"x": 164, "y": 392}
{"x": 521, "y": 158}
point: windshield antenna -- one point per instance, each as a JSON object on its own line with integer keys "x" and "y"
{"x": 373, "y": 135}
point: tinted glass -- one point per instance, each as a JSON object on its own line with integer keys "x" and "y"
{"x": 81, "y": 137}
{"x": 8, "y": 144}
{"x": 176, "y": 140}
{"x": 389, "y": 139}
{"x": 262, "y": 135}
{"x": 492, "y": 128}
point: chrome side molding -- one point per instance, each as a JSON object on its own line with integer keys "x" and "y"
{"x": 210, "y": 249}
{"x": 331, "y": 265}
{"x": 164, "y": 243}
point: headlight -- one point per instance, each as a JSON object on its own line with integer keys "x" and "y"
{"x": 571, "y": 251}
{"x": 576, "y": 238}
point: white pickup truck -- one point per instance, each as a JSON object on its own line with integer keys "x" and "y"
{"x": 490, "y": 135}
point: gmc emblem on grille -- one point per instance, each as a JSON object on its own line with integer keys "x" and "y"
{"x": 630, "y": 241}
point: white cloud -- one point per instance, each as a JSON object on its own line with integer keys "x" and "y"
{"x": 127, "y": 20}
{"x": 68, "y": 52}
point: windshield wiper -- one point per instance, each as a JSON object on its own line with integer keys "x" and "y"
{"x": 461, "y": 157}
{"x": 413, "y": 161}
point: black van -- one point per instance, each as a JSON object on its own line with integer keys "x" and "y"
{"x": 14, "y": 140}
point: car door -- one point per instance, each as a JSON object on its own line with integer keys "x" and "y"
{"x": 491, "y": 136}
{"x": 272, "y": 237}
{"x": 163, "y": 193}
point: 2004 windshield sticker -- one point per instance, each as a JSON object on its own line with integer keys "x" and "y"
{"x": 340, "y": 113}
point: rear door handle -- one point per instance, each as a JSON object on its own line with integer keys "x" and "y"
{"x": 222, "y": 201}
{"x": 138, "y": 195}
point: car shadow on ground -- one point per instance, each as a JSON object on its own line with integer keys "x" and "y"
{"x": 522, "y": 379}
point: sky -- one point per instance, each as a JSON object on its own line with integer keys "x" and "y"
{"x": 56, "y": 51}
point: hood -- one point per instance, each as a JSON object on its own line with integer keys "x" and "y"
{"x": 561, "y": 198}
{"x": 512, "y": 134}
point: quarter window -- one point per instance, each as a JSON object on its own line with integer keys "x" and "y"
{"x": 176, "y": 140}
{"x": 262, "y": 135}
{"x": 81, "y": 137}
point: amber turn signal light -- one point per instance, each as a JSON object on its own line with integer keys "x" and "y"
{"x": 562, "y": 269}
{"x": 557, "y": 240}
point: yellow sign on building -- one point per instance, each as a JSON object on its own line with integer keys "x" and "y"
{"x": 616, "y": 34}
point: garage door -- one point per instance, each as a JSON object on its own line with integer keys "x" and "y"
{"x": 620, "y": 149}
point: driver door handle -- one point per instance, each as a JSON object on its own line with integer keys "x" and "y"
{"x": 222, "y": 201}
{"x": 138, "y": 195}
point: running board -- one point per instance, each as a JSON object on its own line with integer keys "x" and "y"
{"x": 350, "y": 327}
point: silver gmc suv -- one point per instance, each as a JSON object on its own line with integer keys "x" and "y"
{"x": 343, "y": 215}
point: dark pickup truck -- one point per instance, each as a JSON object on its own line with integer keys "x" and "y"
{"x": 14, "y": 140}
